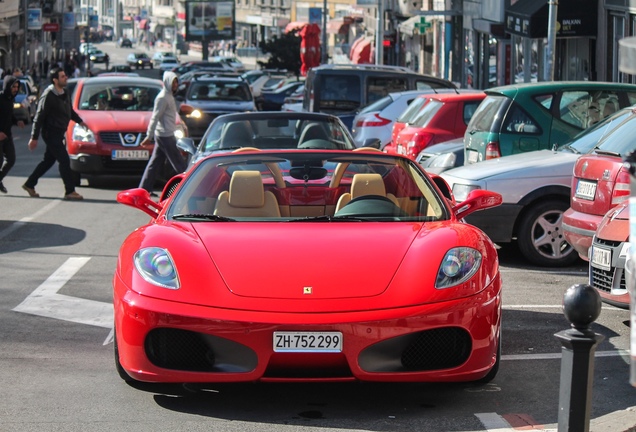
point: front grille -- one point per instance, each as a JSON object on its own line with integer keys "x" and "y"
{"x": 427, "y": 350}
{"x": 437, "y": 349}
{"x": 186, "y": 350}
{"x": 118, "y": 138}
{"x": 601, "y": 279}
{"x": 607, "y": 243}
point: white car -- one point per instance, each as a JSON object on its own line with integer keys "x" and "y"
{"x": 535, "y": 187}
{"x": 160, "y": 56}
{"x": 375, "y": 121}
{"x": 232, "y": 61}
{"x": 168, "y": 64}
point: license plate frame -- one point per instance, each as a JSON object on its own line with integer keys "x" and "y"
{"x": 130, "y": 154}
{"x": 307, "y": 341}
{"x": 585, "y": 189}
{"x": 601, "y": 258}
{"x": 473, "y": 156}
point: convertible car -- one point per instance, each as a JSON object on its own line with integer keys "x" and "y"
{"x": 313, "y": 265}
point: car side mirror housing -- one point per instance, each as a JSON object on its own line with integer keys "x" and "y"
{"x": 373, "y": 143}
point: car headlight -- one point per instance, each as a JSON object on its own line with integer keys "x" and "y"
{"x": 461, "y": 191}
{"x": 83, "y": 135}
{"x": 17, "y": 105}
{"x": 179, "y": 134}
{"x": 195, "y": 114}
{"x": 155, "y": 265}
{"x": 458, "y": 265}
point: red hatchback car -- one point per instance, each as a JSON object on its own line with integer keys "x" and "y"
{"x": 117, "y": 111}
{"x": 441, "y": 117}
{"x": 600, "y": 183}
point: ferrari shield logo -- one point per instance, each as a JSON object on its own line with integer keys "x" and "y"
{"x": 307, "y": 290}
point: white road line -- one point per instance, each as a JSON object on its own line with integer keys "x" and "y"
{"x": 45, "y": 301}
{"x": 556, "y": 356}
{"x": 536, "y": 306}
{"x": 18, "y": 224}
{"x": 494, "y": 422}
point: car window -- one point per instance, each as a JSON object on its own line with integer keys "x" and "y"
{"x": 379, "y": 87}
{"x": 621, "y": 141}
{"x": 488, "y": 115}
{"x": 339, "y": 91}
{"x": 519, "y": 121}
{"x": 427, "y": 113}
{"x": 378, "y": 105}
{"x": 412, "y": 109}
{"x": 590, "y": 137}
{"x": 219, "y": 91}
{"x": 631, "y": 97}
{"x": 114, "y": 97}
{"x": 469, "y": 110}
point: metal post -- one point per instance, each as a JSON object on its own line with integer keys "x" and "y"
{"x": 551, "y": 47}
{"x": 581, "y": 306}
{"x": 325, "y": 48}
{"x": 26, "y": 32}
{"x": 379, "y": 35}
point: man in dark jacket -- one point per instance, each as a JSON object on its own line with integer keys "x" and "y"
{"x": 52, "y": 118}
{"x": 7, "y": 120}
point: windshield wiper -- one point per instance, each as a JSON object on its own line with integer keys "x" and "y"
{"x": 328, "y": 218}
{"x": 207, "y": 217}
{"x": 607, "y": 152}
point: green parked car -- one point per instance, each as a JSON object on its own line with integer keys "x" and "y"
{"x": 534, "y": 116}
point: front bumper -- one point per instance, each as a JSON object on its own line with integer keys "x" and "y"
{"x": 163, "y": 341}
{"x": 579, "y": 230}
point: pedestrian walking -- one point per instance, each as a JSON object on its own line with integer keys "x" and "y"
{"x": 52, "y": 118}
{"x": 7, "y": 120}
{"x": 106, "y": 60}
{"x": 161, "y": 128}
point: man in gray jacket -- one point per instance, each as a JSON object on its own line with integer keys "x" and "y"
{"x": 161, "y": 130}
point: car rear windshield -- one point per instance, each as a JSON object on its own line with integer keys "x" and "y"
{"x": 427, "y": 113}
{"x": 219, "y": 91}
{"x": 413, "y": 108}
{"x": 378, "y": 105}
{"x": 621, "y": 140}
{"x": 489, "y": 113}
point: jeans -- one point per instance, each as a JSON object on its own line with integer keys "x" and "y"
{"x": 165, "y": 147}
{"x": 7, "y": 156}
{"x": 55, "y": 151}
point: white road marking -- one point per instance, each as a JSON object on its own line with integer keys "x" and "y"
{"x": 18, "y": 224}
{"x": 46, "y": 302}
{"x": 536, "y": 306}
{"x": 494, "y": 422}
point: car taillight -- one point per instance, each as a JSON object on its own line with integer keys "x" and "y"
{"x": 621, "y": 187}
{"x": 376, "y": 120}
{"x": 492, "y": 150}
{"x": 420, "y": 141}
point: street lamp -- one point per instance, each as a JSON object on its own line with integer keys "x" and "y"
{"x": 325, "y": 53}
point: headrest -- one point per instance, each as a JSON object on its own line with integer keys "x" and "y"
{"x": 246, "y": 189}
{"x": 367, "y": 184}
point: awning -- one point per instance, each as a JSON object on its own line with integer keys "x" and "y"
{"x": 362, "y": 51}
{"x": 575, "y": 18}
{"x": 295, "y": 25}
{"x": 338, "y": 26}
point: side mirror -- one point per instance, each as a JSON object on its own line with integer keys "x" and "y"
{"x": 186, "y": 145}
{"x": 140, "y": 199}
{"x": 478, "y": 199}
{"x": 373, "y": 143}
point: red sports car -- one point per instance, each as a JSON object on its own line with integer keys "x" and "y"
{"x": 117, "y": 110}
{"x": 313, "y": 265}
{"x": 442, "y": 117}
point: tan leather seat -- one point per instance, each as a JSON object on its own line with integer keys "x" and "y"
{"x": 365, "y": 184}
{"x": 247, "y": 197}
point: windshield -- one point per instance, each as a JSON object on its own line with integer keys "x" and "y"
{"x": 489, "y": 113}
{"x": 586, "y": 140}
{"x": 300, "y": 186}
{"x": 118, "y": 96}
{"x": 620, "y": 141}
{"x": 378, "y": 105}
{"x": 219, "y": 91}
{"x": 413, "y": 108}
{"x": 427, "y": 113}
{"x": 276, "y": 132}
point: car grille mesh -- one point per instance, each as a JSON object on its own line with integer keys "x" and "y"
{"x": 179, "y": 349}
{"x": 115, "y": 138}
{"x": 607, "y": 243}
{"x": 602, "y": 279}
{"x": 437, "y": 349}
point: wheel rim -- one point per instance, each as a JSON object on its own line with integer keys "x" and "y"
{"x": 547, "y": 235}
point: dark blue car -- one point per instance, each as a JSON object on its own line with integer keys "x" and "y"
{"x": 273, "y": 100}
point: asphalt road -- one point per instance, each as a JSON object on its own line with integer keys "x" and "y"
{"x": 57, "y": 368}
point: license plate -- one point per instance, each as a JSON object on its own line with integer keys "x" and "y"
{"x": 328, "y": 342}
{"x": 586, "y": 190}
{"x": 601, "y": 258}
{"x": 131, "y": 154}
{"x": 473, "y": 156}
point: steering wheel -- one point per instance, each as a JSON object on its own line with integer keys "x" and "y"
{"x": 371, "y": 205}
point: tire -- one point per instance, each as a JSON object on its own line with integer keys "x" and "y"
{"x": 540, "y": 235}
{"x": 120, "y": 370}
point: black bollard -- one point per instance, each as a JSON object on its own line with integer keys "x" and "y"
{"x": 581, "y": 306}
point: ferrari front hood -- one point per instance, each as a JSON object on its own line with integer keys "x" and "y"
{"x": 295, "y": 260}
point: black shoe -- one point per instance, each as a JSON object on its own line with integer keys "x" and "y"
{"x": 3, "y": 189}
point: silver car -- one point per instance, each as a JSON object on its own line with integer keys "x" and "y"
{"x": 536, "y": 192}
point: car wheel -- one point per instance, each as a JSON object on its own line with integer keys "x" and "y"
{"x": 540, "y": 235}
{"x": 120, "y": 370}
